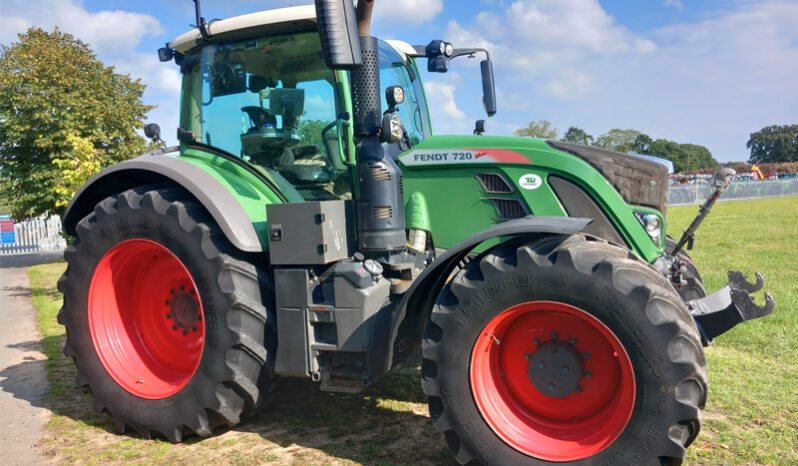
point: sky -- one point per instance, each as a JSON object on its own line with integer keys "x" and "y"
{"x": 704, "y": 72}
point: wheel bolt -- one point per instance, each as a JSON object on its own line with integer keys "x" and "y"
{"x": 551, "y": 386}
{"x": 168, "y": 316}
{"x": 565, "y": 369}
{"x": 586, "y": 355}
{"x": 589, "y": 375}
{"x": 193, "y": 292}
{"x": 579, "y": 389}
{"x": 542, "y": 364}
{"x": 573, "y": 340}
{"x": 174, "y": 327}
{"x": 172, "y": 291}
{"x": 185, "y": 332}
{"x": 527, "y": 355}
{"x": 536, "y": 340}
{"x": 553, "y": 335}
{"x": 167, "y": 302}
{"x": 182, "y": 287}
{"x": 194, "y": 328}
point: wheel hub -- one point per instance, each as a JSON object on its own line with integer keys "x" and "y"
{"x": 556, "y": 368}
{"x": 184, "y": 310}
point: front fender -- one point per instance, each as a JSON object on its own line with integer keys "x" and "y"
{"x": 416, "y": 305}
{"x": 225, "y": 209}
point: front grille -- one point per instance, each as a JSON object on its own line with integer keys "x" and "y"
{"x": 494, "y": 183}
{"x": 510, "y": 208}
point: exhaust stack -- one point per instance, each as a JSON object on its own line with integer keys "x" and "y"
{"x": 380, "y": 203}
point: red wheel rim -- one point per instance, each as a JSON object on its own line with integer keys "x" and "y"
{"x": 576, "y": 424}
{"x": 145, "y": 317}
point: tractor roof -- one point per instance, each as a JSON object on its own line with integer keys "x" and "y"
{"x": 277, "y": 21}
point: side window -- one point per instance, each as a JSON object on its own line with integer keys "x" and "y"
{"x": 396, "y": 71}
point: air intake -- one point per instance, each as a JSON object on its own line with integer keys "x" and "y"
{"x": 509, "y": 209}
{"x": 494, "y": 183}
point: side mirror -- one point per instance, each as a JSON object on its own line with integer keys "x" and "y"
{"x": 153, "y": 132}
{"x": 488, "y": 87}
{"x": 337, "y": 27}
{"x": 479, "y": 127}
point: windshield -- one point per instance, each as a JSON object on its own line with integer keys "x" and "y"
{"x": 272, "y": 101}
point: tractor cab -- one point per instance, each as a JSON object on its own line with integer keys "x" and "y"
{"x": 273, "y": 101}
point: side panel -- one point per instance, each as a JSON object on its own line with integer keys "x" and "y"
{"x": 445, "y": 169}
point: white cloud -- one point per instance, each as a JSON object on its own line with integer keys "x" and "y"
{"x": 106, "y": 31}
{"x": 442, "y": 102}
{"x": 675, "y": 4}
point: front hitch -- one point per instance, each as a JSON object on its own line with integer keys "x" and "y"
{"x": 719, "y": 312}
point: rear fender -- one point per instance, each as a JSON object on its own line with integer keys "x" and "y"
{"x": 225, "y": 209}
{"x": 416, "y": 305}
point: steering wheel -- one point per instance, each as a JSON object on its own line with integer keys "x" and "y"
{"x": 334, "y": 159}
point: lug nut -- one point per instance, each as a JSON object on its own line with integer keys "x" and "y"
{"x": 553, "y": 335}
{"x": 182, "y": 287}
{"x": 573, "y": 340}
{"x": 536, "y": 340}
{"x": 586, "y": 355}
{"x": 527, "y": 355}
{"x": 174, "y": 327}
{"x": 168, "y": 316}
{"x": 172, "y": 291}
{"x": 565, "y": 369}
{"x": 542, "y": 364}
{"x": 185, "y": 332}
{"x": 551, "y": 386}
{"x": 589, "y": 375}
{"x": 167, "y": 302}
{"x": 579, "y": 389}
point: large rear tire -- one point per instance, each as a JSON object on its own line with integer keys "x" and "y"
{"x": 170, "y": 326}
{"x": 629, "y": 378}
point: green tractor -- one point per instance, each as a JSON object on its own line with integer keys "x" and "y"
{"x": 310, "y": 225}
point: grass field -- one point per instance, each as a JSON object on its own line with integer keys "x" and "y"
{"x": 751, "y": 416}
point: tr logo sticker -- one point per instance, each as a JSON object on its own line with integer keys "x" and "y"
{"x": 530, "y": 181}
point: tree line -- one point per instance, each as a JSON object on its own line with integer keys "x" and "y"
{"x": 772, "y": 144}
{"x": 684, "y": 156}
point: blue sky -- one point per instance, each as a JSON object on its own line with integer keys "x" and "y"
{"x": 706, "y": 72}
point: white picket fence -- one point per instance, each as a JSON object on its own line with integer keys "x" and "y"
{"x": 41, "y": 234}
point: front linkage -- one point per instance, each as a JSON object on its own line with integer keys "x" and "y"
{"x": 719, "y": 312}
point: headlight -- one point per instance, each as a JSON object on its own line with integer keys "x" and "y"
{"x": 652, "y": 224}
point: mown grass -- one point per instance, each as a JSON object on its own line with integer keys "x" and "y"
{"x": 751, "y": 416}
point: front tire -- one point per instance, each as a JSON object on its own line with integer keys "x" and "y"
{"x": 554, "y": 301}
{"x": 165, "y": 319}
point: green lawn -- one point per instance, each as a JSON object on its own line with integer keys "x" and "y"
{"x": 751, "y": 416}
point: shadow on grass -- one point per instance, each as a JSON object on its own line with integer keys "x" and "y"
{"x": 385, "y": 424}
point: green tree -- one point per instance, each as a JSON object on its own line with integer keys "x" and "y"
{"x": 63, "y": 116}
{"x": 310, "y": 132}
{"x": 621, "y": 140}
{"x": 774, "y": 144}
{"x": 538, "y": 129}
{"x": 578, "y": 136}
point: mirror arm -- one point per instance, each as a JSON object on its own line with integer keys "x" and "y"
{"x": 471, "y": 52}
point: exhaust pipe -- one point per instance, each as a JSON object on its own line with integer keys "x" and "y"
{"x": 380, "y": 203}
{"x": 380, "y": 206}
{"x": 364, "y": 9}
